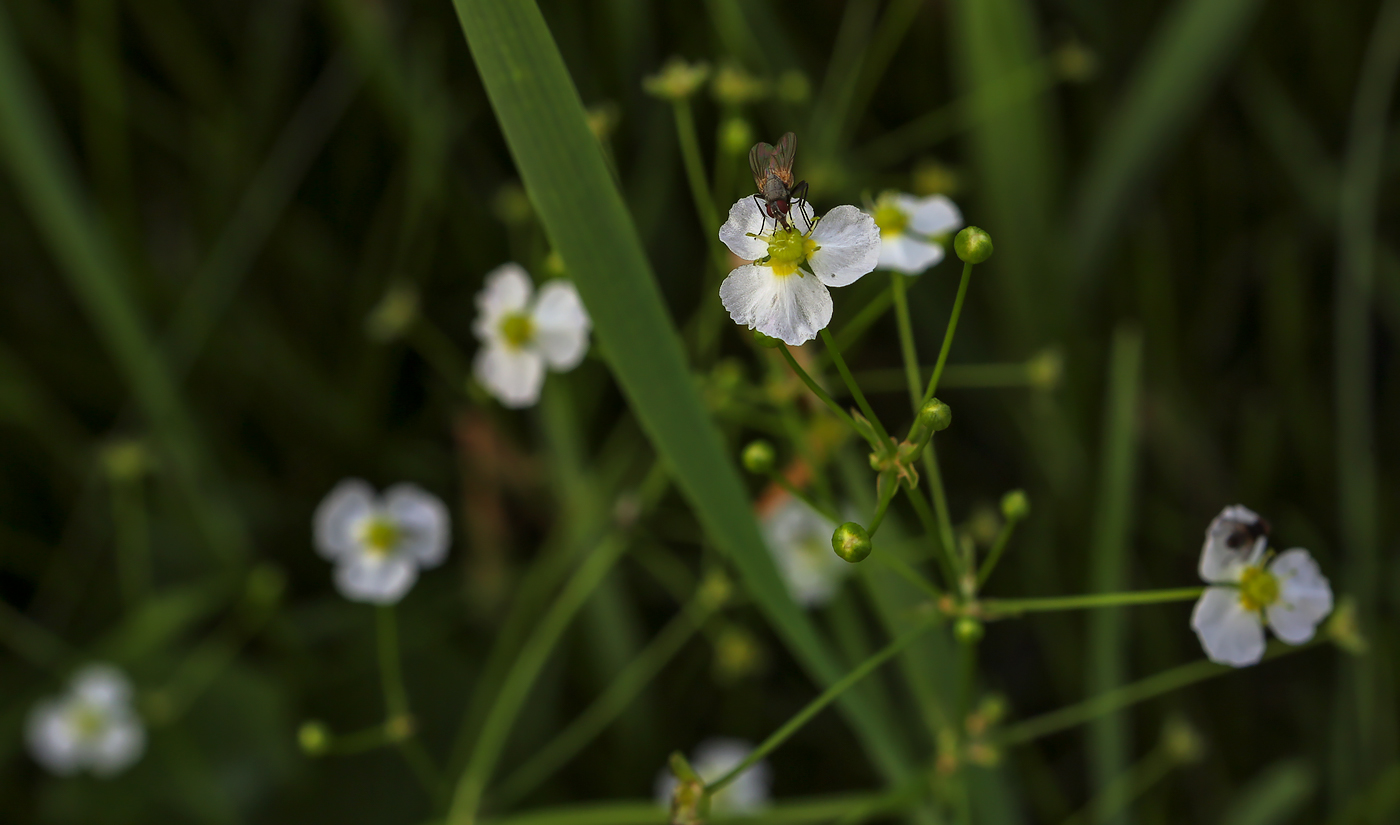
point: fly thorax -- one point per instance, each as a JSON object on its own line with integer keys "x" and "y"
{"x": 788, "y": 249}
{"x": 1258, "y": 588}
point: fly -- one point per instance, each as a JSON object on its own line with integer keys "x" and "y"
{"x": 772, "y": 173}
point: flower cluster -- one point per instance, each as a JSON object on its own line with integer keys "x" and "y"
{"x": 93, "y": 727}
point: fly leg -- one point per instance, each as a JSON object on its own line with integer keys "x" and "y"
{"x": 799, "y": 194}
{"x": 761, "y": 213}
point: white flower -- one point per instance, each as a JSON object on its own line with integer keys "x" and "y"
{"x": 714, "y": 758}
{"x": 519, "y": 336}
{"x": 378, "y": 543}
{"x": 92, "y": 727}
{"x": 1288, "y": 593}
{"x": 909, "y": 227}
{"x": 800, "y": 540}
{"x": 783, "y": 293}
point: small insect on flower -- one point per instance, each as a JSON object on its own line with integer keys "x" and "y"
{"x": 772, "y": 174}
{"x": 910, "y": 229}
{"x": 713, "y": 758}
{"x": 800, "y": 540}
{"x": 1251, "y": 587}
{"x": 522, "y": 332}
{"x": 379, "y": 543}
{"x": 783, "y": 293}
{"x": 92, "y": 727}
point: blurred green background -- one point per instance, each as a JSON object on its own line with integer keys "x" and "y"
{"x": 1214, "y": 175}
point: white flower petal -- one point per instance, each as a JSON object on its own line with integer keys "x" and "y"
{"x": 849, "y": 244}
{"x": 514, "y": 376}
{"x": 561, "y": 325}
{"x": 934, "y": 215}
{"x": 375, "y": 579}
{"x": 908, "y": 254}
{"x": 1230, "y": 545}
{"x": 52, "y": 741}
{"x": 120, "y": 744}
{"x": 423, "y": 518}
{"x": 1230, "y": 634}
{"x": 102, "y": 686}
{"x": 507, "y": 289}
{"x": 338, "y": 516}
{"x": 746, "y": 217}
{"x": 792, "y": 308}
{"x": 749, "y": 791}
{"x": 800, "y": 540}
{"x": 1304, "y": 599}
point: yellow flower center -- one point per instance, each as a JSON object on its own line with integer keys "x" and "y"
{"x": 1258, "y": 589}
{"x": 518, "y": 329}
{"x": 890, "y": 218}
{"x": 788, "y": 249}
{"x": 381, "y": 536}
{"x": 87, "y": 721}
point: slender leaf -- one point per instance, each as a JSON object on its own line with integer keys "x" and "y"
{"x": 1274, "y": 796}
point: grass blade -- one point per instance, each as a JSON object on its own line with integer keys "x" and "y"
{"x": 1274, "y": 796}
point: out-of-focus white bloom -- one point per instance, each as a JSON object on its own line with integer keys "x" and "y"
{"x": 800, "y": 540}
{"x": 379, "y": 543}
{"x": 1287, "y": 592}
{"x": 92, "y": 727}
{"x": 783, "y": 293}
{"x": 713, "y": 758}
{"x": 521, "y": 333}
{"x": 909, "y": 227}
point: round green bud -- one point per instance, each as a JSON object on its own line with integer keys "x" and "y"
{"x": 765, "y": 341}
{"x": 968, "y": 630}
{"x": 125, "y": 459}
{"x": 736, "y": 136}
{"x": 759, "y": 457}
{"x": 936, "y": 415}
{"x": 973, "y": 245}
{"x": 851, "y": 542}
{"x": 1015, "y": 506}
{"x": 398, "y": 728}
{"x": 314, "y": 738}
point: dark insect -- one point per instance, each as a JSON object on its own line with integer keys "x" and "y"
{"x": 1245, "y": 534}
{"x": 772, "y": 173}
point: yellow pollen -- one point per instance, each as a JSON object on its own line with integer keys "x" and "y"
{"x": 381, "y": 536}
{"x": 1258, "y": 589}
{"x": 788, "y": 249}
{"x": 890, "y": 218}
{"x": 518, "y": 329}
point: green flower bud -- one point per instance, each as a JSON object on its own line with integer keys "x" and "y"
{"x": 1182, "y": 741}
{"x": 602, "y": 119}
{"x": 394, "y": 313}
{"x": 314, "y": 738}
{"x": 934, "y": 178}
{"x": 125, "y": 459}
{"x": 511, "y": 205}
{"x": 1015, "y": 506}
{"x": 851, "y": 542}
{"x": 973, "y": 245}
{"x": 765, "y": 341}
{"x": 968, "y": 630}
{"x": 677, "y": 80}
{"x": 715, "y": 590}
{"x": 759, "y": 457}
{"x": 736, "y": 136}
{"x": 933, "y": 417}
{"x": 1044, "y": 369}
{"x": 738, "y": 655}
{"x": 554, "y": 265}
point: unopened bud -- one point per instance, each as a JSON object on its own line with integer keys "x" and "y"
{"x": 1044, "y": 369}
{"x": 759, "y": 457}
{"x": 715, "y": 590}
{"x": 851, "y": 542}
{"x": 935, "y": 416}
{"x": 736, "y": 136}
{"x": 394, "y": 313}
{"x": 934, "y": 178}
{"x": 511, "y": 205}
{"x": 314, "y": 738}
{"x": 554, "y": 265}
{"x": 1344, "y": 628}
{"x": 738, "y": 655}
{"x": 1015, "y": 506}
{"x": 968, "y": 630}
{"x": 973, "y": 245}
{"x": 677, "y": 79}
{"x": 602, "y": 119}
{"x": 125, "y": 459}
{"x": 1181, "y": 741}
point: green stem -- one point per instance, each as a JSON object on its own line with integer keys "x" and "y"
{"x": 930, "y": 525}
{"x": 854, "y": 388}
{"x": 909, "y": 574}
{"x": 827, "y": 696}
{"x": 516, "y": 686}
{"x": 695, "y": 168}
{"x": 819, "y": 392}
{"x": 801, "y": 495}
{"x": 132, "y": 539}
{"x": 889, "y": 486}
{"x": 940, "y": 507}
{"x": 948, "y": 334}
{"x": 390, "y": 670}
{"x": 906, "y": 336}
{"x": 999, "y": 547}
{"x": 612, "y": 702}
{"x": 1127, "y": 786}
{"x": 1128, "y": 695}
{"x": 858, "y": 325}
{"x": 1000, "y": 608}
{"x": 360, "y": 741}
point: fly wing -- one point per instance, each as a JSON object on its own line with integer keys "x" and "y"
{"x": 760, "y": 156}
{"x": 783, "y": 155}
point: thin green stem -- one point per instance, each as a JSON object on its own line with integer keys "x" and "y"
{"x": 802, "y": 495}
{"x": 1001, "y": 608}
{"x": 891, "y": 486}
{"x": 930, "y": 525}
{"x": 360, "y": 741}
{"x": 695, "y": 167}
{"x": 906, "y": 336}
{"x": 854, "y": 388}
{"x": 827, "y": 696}
{"x": 998, "y": 547}
{"x": 858, "y": 325}
{"x": 132, "y": 540}
{"x": 1127, "y": 786}
{"x": 940, "y": 507}
{"x": 818, "y": 391}
{"x": 1128, "y": 695}
{"x": 948, "y": 334}
{"x": 909, "y": 574}
{"x": 390, "y": 670}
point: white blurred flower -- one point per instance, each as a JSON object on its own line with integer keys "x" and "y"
{"x": 783, "y": 293}
{"x": 379, "y": 543}
{"x": 909, "y": 228}
{"x": 713, "y": 758}
{"x": 519, "y": 336}
{"x": 92, "y": 727}
{"x": 800, "y": 540}
{"x": 1287, "y": 592}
